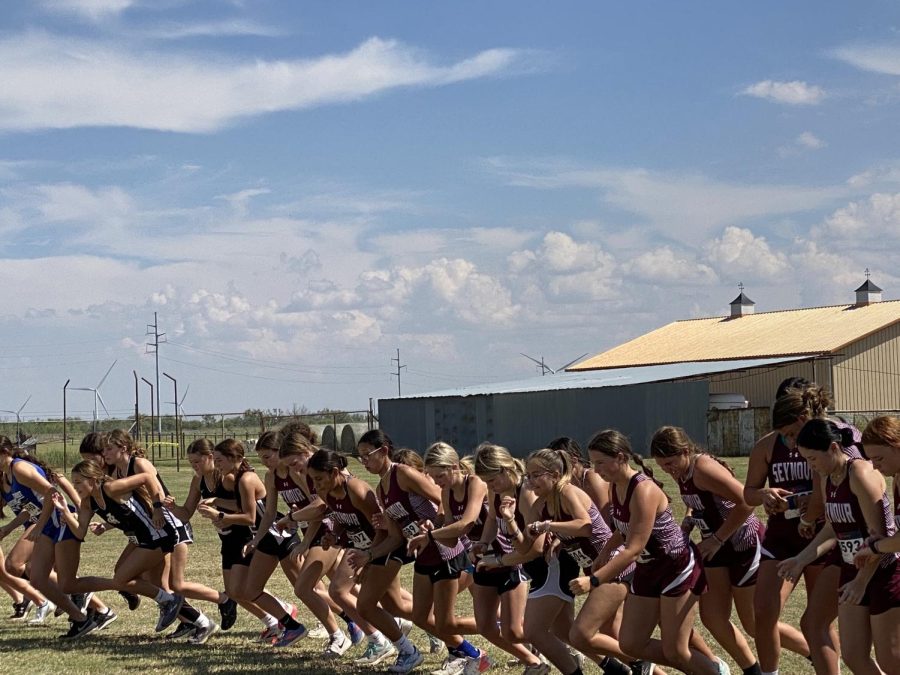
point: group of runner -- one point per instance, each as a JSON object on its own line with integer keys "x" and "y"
{"x": 524, "y": 538}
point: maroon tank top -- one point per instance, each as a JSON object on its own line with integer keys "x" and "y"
{"x": 667, "y": 539}
{"x": 458, "y": 508}
{"x": 297, "y": 498}
{"x": 503, "y": 542}
{"x": 405, "y": 508}
{"x": 788, "y": 471}
{"x": 583, "y": 550}
{"x": 357, "y": 532}
{"x": 709, "y": 511}
{"x": 896, "y": 504}
{"x": 843, "y": 512}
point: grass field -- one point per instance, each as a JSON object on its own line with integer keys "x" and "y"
{"x": 130, "y": 645}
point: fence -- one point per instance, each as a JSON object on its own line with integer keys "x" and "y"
{"x": 165, "y": 439}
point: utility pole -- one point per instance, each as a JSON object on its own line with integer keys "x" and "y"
{"x": 153, "y": 348}
{"x": 399, "y": 368}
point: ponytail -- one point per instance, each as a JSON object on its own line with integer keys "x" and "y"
{"x": 673, "y": 441}
{"x": 556, "y": 461}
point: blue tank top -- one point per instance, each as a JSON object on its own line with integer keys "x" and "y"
{"x": 22, "y": 497}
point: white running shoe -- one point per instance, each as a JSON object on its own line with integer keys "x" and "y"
{"x": 338, "y": 644}
{"x": 375, "y": 653}
{"x": 319, "y": 632}
{"x": 42, "y": 612}
{"x": 452, "y": 665}
{"x": 477, "y": 664}
{"x": 202, "y": 634}
{"x": 435, "y": 644}
{"x": 405, "y": 625}
{"x": 407, "y": 661}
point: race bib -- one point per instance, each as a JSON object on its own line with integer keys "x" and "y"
{"x": 580, "y": 557}
{"x": 360, "y": 540}
{"x": 849, "y": 547}
{"x": 411, "y": 530}
{"x": 700, "y": 522}
{"x": 793, "y": 509}
{"x": 132, "y": 539}
{"x": 33, "y": 509}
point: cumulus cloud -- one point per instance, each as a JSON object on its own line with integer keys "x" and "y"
{"x": 794, "y": 92}
{"x": 874, "y": 219}
{"x": 739, "y": 252}
{"x": 665, "y": 265}
{"x": 805, "y": 142}
{"x": 55, "y": 82}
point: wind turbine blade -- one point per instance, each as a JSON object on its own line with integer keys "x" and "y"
{"x": 103, "y": 379}
{"x": 100, "y": 398}
{"x": 184, "y": 395}
{"x": 26, "y": 403}
{"x": 575, "y": 360}
{"x": 533, "y": 359}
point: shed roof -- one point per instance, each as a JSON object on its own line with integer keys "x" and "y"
{"x": 616, "y": 378}
{"x": 813, "y": 331}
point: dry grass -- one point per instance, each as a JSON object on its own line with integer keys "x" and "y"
{"x": 130, "y": 645}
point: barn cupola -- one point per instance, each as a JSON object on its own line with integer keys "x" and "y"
{"x": 741, "y": 305}
{"x": 867, "y": 293}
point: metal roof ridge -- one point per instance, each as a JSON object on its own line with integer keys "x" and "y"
{"x": 782, "y": 311}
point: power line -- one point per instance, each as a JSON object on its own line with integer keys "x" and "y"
{"x": 280, "y": 365}
{"x": 263, "y": 377}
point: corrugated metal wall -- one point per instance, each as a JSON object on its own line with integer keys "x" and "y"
{"x": 867, "y": 376}
{"x": 525, "y": 422}
{"x": 759, "y": 386}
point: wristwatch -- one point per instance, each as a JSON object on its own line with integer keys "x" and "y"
{"x": 595, "y": 582}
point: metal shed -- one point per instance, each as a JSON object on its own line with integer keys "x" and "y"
{"x": 526, "y": 414}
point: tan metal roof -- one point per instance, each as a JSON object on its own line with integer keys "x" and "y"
{"x": 817, "y": 330}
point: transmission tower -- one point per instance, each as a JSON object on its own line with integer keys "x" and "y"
{"x": 153, "y": 348}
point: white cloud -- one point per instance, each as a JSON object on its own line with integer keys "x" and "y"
{"x": 805, "y": 142}
{"x": 794, "y": 92}
{"x": 53, "y": 82}
{"x": 665, "y": 265}
{"x": 876, "y": 58}
{"x": 739, "y": 252}
{"x": 93, "y": 10}
{"x": 874, "y": 219}
{"x": 687, "y": 206}
{"x": 227, "y": 28}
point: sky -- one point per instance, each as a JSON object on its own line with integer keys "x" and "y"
{"x": 298, "y": 190}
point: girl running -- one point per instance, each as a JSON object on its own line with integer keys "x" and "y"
{"x": 250, "y": 496}
{"x": 856, "y": 507}
{"x": 668, "y": 579}
{"x": 500, "y": 582}
{"x": 353, "y": 508}
{"x": 730, "y": 541}
{"x": 582, "y": 476}
{"x": 33, "y": 485}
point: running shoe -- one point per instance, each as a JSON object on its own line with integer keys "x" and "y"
{"x": 355, "y": 632}
{"x": 269, "y": 635}
{"x": 451, "y": 665}
{"x": 134, "y": 601}
{"x": 319, "y": 632}
{"x": 228, "y": 613}
{"x": 338, "y": 644}
{"x": 642, "y": 668}
{"x": 202, "y": 633}
{"x": 42, "y": 612}
{"x": 434, "y": 644}
{"x": 168, "y": 612}
{"x": 289, "y": 636}
{"x": 183, "y": 630}
{"x": 578, "y": 656}
{"x": 375, "y": 653}
{"x": 20, "y": 610}
{"x": 537, "y": 669}
{"x": 477, "y": 664}
{"x": 104, "y": 619}
{"x": 78, "y": 629}
{"x": 405, "y": 625}
{"x": 407, "y": 661}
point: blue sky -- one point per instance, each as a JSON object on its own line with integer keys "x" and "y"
{"x": 298, "y": 189}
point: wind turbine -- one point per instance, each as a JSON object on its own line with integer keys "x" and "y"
{"x": 97, "y": 396}
{"x": 181, "y": 402}
{"x": 18, "y": 414}
{"x": 547, "y": 369}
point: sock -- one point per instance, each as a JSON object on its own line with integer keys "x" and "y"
{"x": 752, "y": 670}
{"x": 289, "y": 623}
{"x": 465, "y": 648}
{"x": 202, "y": 621}
{"x": 403, "y": 644}
{"x": 773, "y": 672}
{"x": 611, "y": 666}
{"x": 269, "y": 621}
{"x": 345, "y": 617}
{"x": 223, "y": 598}
{"x": 337, "y": 635}
{"x": 164, "y": 596}
{"x": 189, "y": 612}
{"x": 377, "y": 637}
